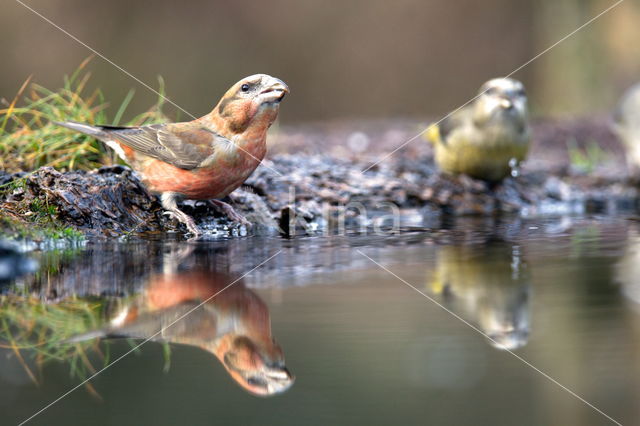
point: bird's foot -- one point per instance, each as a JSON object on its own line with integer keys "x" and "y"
{"x": 186, "y": 219}
{"x": 191, "y": 226}
{"x": 226, "y": 209}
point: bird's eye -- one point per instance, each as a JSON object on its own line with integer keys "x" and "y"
{"x": 245, "y": 87}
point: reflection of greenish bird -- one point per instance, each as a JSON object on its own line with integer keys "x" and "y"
{"x": 488, "y": 137}
{"x": 488, "y": 287}
{"x": 627, "y": 125}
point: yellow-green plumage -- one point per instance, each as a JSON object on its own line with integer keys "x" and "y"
{"x": 483, "y": 139}
{"x": 483, "y": 286}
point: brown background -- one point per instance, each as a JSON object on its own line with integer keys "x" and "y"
{"x": 342, "y": 59}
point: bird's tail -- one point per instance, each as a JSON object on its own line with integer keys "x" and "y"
{"x": 94, "y": 334}
{"x": 94, "y": 131}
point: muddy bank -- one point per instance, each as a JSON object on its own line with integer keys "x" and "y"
{"x": 303, "y": 191}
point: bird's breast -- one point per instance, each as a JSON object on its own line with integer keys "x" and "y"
{"x": 225, "y": 172}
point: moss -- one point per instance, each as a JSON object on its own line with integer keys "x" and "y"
{"x": 34, "y": 219}
{"x": 39, "y": 230}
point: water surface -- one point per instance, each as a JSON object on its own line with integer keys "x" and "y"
{"x": 320, "y": 334}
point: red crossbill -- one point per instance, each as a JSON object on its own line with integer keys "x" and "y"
{"x": 206, "y": 309}
{"x": 203, "y": 159}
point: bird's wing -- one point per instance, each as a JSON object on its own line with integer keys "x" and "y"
{"x": 186, "y": 148}
{"x": 440, "y": 132}
{"x": 454, "y": 121}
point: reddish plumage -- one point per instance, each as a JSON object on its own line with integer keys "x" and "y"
{"x": 204, "y": 183}
{"x": 234, "y": 324}
{"x": 212, "y": 311}
{"x": 204, "y": 159}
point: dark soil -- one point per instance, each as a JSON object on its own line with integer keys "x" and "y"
{"x": 314, "y": 175}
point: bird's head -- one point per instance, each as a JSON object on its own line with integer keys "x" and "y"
{"x": 257, "y": 366}
{"x": 252, "y": 101}
{"x": 501, "y": 99}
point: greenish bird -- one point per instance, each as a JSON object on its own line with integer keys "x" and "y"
{"x": 487, "y": 138}
{"x": 626, "y": 124}
{"x": 489, "y": 286}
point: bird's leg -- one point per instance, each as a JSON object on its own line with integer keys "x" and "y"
{"x": 168, "y": 201}
{"x": 226, "y": 209}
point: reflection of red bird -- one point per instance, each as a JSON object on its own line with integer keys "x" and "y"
{"x": 204, "y": 159}
{"x": 233, "y": 324}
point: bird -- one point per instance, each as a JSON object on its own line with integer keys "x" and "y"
{"x": 488, "y": 137}
{"x": 203, "y": 159}
{"x": 209, "y": 310}
{"x": 626, "y": 124}
{"x": 490, "y": 288}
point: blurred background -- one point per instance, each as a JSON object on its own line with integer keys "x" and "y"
{"x": 342, "y": 59}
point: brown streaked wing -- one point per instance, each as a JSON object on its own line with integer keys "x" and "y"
{"x": 185, "y": 149}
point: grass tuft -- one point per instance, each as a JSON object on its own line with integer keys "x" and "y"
{"x": 29, "y": 139}
{"x": 586, "y": 160}
{"x": 39, "y": 331}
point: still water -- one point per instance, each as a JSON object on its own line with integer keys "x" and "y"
{"x": 415, "y": 328}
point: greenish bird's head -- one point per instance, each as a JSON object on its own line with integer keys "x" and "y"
{"x": 501, "y": 99}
